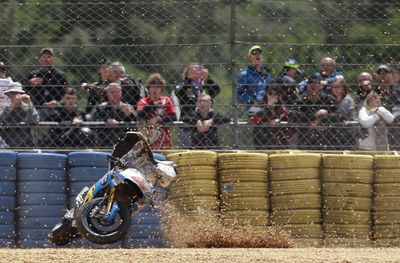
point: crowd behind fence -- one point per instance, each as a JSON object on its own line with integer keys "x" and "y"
{"x": 166, "y": 36}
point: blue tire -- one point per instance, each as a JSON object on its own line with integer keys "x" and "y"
{"x": 79, "y": 174}
{"x": 7, "y": 188}
{"x": 38, "y": 222}
{"x": 7, "y": 218}
{"x": 7, "y": 231}
{"x": 131, "y": 242}
{"x": 145, "y": 231}
{"x": 42, "y": 199}
{"x": 28, "y": 243}
{"x": 41, "y": 175}
{"x": 41, "y": 211}
{"x": 7, "y": 242}
{"x": 42, "y": 160}
{"x": 76, "y": 187}
{"x": 7, "y": 203}
{"x": 8, "y": 158}
{"x": 84, "y": 243}
{"x": 146, "y": 218}
{"x": 42, "y": 187}
{"x": 8, "y": 173}
{"x": 88, "y": 159}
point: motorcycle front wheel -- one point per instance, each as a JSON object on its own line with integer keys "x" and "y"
{"x": 98, "y": 230}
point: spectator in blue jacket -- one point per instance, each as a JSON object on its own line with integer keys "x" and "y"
{"x": 252, "y": 82}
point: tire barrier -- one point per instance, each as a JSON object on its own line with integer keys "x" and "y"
{"x": 243, "y": 179}
{"x": 7, "y": 198}
{"x": 42, "y": 196}
{"x": 357, "y": 195}
{"x": 386, "y": 213}
{"x": 347, "y": 199}
{"x": 196, "y": 186}
{"x": 296, "y": 196}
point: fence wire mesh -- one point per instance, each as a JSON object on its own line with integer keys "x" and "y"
{"x": 166, "y": 36}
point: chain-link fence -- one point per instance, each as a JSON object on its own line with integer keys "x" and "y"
{"x": 166, "y": 36}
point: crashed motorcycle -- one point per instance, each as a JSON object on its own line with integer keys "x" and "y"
{"x": 103, "y": 213}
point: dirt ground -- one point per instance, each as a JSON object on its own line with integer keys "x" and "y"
{"x": 235, "y": 255}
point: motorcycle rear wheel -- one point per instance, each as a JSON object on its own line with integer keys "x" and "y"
{"x": 100, "y": 231}
{"x": 63, "y": 233}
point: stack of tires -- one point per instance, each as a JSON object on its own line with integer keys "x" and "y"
{"x": 146, "y": 230}
{"x": 347, "y": 199}
{"x": 243, "y": 179}
{"x": 196, "y": 185}
{"x": 296, "y": 196}
{"x": 84, "y": 169}
{"x": 42, "y": 196}
{"x": 386, "y": 214}
{"x": 8, "y": 176}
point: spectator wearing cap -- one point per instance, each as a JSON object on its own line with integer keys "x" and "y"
{"x": 196, "y": 80}
{"x": 204, "y": 122}
{"x": 67, "y": 112}
{"x": 364, "y": 87}
{"x": 112, "y": 112}
{"x": 97, "y": 90}
{"x": 328, "y": 73}
{"x": 158, "y": 111}
{"x": 21, "y": 109}
{"x": 45, "y": 85}
{"x": 252, "y": 82}
{"x": 386, "y": 86}
{"x": 5, "y": 84}
{"x": 313, "y": 109}
{"x": 290, "y": 72}
{"x": 267, "y": 116}
{"x": 132, "y": 89}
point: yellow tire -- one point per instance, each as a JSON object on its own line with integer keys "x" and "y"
{"x": 229, "y": 178}
{"x": 245, "y": 193}
{"x": 239, "y": 160}
{"x": 386, "y": 217}
{"x": 347, "y": 203}
{"x": 347, "y": 189}
{"x": 387, "y": 176}
{"x": 296, "y": 216}
{"x": 254, "y": 218}
{"x": 346, "y": 217}
{"x": 197, "y": 202}
{"x": 347, "y": 161}
{"x": 388, "y": 189}
{"x": 194, "y": 192}
{"x": 303, "y": 230}
{"x": 296, "y": 160}
{"x": 244, "y": 186}
{"x": 196, "y": 169}
{"x": 245, "y": 203}
{"x": 306, "y": 186}
{"x": 194, "y": 158}
{"x": 347, "y": 176}
{"x": 294, "y": 174}
{"x": 387, "y": 203}
{"x": 347, "y": 242}
{"x": 387, "y": 161}
{"x": 347, "y": 231}
{"x": 296, "y": 201}
{"x": 193, "y": 184}
{"x": 387, "y": 231}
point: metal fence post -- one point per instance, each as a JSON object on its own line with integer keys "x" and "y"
{"x": 232, "y": 40}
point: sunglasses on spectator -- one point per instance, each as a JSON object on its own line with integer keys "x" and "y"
{"x": 272, "y": 93}
{"x": 383, "y": 71}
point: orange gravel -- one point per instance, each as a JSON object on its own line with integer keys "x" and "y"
{"x": 189, "y": 255}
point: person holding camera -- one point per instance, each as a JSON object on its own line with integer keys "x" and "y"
{"x": 20, "y": 110}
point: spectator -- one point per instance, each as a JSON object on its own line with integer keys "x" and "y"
{"x": 132, "y": 89}
{"x": 267, "y": 116}
{"x": 196, "y": 81}
{"x": 375, "y": 117}
{"x": 203, "y": 120}
{"x": 46, "y": 84}
{"x": 364, "y": 86}
{"x": 290, "y": 72}
{"x": 328, "y": 74}
{"x": 21, "y": 109}
{"x": 313, "y": 109}
{"x": 386, "y": 85}
{"x": 5, "y": 84}
{"x": 67, "y": 113}
{"x": 158, "y": 111}
{"x": 97, "y": 90}
{"x": 113, "y": 111}
{"x": 342, "y": 136}
{"x": 252, "y": 82}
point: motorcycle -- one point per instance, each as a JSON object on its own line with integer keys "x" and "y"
{"x": 103, "y": 213}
